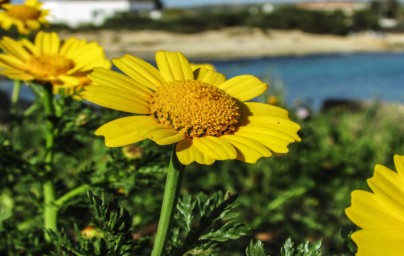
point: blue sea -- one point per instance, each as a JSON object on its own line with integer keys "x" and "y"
{"x": 314, "y": 79}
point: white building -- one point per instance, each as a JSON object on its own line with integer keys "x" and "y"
{"x": 75, "y": 13}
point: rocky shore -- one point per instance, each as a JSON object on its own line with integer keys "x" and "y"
{"x": 234, "y": 43}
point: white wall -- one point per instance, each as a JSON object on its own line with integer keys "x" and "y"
{"x": 75, "y": 13}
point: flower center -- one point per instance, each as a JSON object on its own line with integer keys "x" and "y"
{"x": 23, "y": 12}
{"x": 46, "y": 66}
{"x": 195, "y": 107}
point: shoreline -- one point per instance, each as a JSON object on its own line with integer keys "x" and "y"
{"x": 238, "y": 43}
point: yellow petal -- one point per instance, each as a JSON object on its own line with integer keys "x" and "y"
{"x": 116, "y": 99}
{"x": 202, "y": 65}
{"x": 215, "y": 147}
{"x": 389, "y": 186}
{"x": 383, "y": 242}
{"x": 141, "y": 71}
{"x": 273, "y": 142}
{"x": 369, "y": 212}
{"x": 124, "y": 131}
{"x": 276, "y": 123}
{"x": 283, "y": 135}
{"x": 270, "y": 121}
{"x": 244, "y": 87}
{"x": 261, "y": 109}
{"x": 161, "y": 134}
{"x": 209, "y": 76}
{"x": 399, "y": 163}
{"x": 116, "y": 80}
{"x": 174, "y": 66}
{"x": 248, "y": 151}
{"x": 187, "y": 153}
{"x": 170, "y": 138}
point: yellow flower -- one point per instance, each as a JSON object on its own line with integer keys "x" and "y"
{"x": 206, "y": 115}
{"x": 64, "y": 64}
{"x": 26, "y": 17}
{"x": 380, "y": 214}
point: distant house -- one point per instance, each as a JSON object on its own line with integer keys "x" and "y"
{"x": 75, "y": 13}
{"x": 348, "y": 7}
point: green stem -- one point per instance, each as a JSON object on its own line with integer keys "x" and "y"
{"x": 15, "y": 96}
{"x": 50, "y": 208}
{"x": 173, "y": 184}
{"x": 71, "y": 194}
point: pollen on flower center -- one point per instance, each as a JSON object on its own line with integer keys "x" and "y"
{"x": 197, "y": 108}
{"x": 48, "y": 66}
{"x": 23, "y": 12}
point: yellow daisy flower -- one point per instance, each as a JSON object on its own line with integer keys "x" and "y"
{"x": 206, "y": 115}
{"x": 63, "y": 63}
{"x": 380, "y": 214}
{"x": 26, "y": 17}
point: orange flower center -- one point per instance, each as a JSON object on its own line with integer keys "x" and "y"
{"x": 48, "y": 66}
{"x": 23, "y": 12}
{"x": 195, "y": 107}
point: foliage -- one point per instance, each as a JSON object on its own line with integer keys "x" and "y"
{"x": 301, "y": 195}
{"x": 284, "y": 17}
{"x": 202, "y": 222}
{"x": 288, "y": 249}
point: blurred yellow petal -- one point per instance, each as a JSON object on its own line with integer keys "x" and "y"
{"x": 14, "y": 48}
{"x": 215, "y": 147}
{"x": 45, "y": 60}
{"x": 29, "y": 46}
{"x": 141, "y": 71}
{"x": 27, "y": 16}
{"x": 16, "y": 74}
{"x": 9, "y": 61}
{"x": 244, "y": 87}
{"x": 174, "y": 66}
{"x": 51, "y": 43}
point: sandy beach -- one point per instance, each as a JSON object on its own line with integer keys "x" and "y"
{"x": 233, "y": 43}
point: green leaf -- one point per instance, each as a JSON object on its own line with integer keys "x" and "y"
{"x": 255, "y": 249}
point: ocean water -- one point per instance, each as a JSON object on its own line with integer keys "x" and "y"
{"x": 314, "y": 79}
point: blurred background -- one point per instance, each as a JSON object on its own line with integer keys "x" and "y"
{"x": 338, "y": 66}
{"x": 309, "y": 52}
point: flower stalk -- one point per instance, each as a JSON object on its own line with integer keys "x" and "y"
{"x": 15, "y": 96}
{"x": 50, "y": 208}
{"x": 170, "y": 198}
